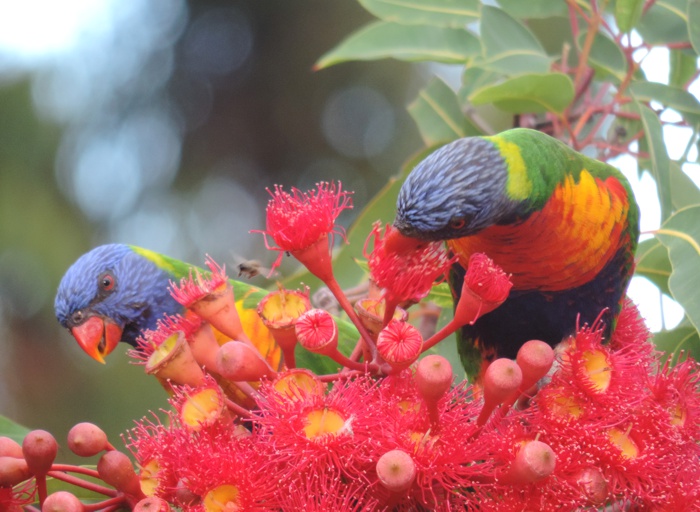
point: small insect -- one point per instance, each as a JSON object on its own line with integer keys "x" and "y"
{"x": 253, "y": 268}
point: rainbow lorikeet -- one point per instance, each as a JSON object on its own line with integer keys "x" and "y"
{"x": 115, "y": 292}
{"x": 564, "y": 226}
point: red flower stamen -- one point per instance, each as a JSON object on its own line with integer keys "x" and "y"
{"x": 297, "y": 220}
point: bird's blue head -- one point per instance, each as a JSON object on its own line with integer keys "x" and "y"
{"x": 457, "y": 191}
{"x": 112, "y": 294}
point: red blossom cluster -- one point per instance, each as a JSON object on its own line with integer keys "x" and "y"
{"x": 598, "y": 425}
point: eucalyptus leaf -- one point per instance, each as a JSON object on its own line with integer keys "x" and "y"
{"x": 508, "y": 46}
{"x": 669, "y": 96}
{"x": 680, "y": 233}
{"x": 533, "y": 8}
{"x": 438, "y": 114}
{"x": 9, "y": 428}
{"x": 447, "y": 13}
{"x": 684, "y": 191}
{"x": 679, "y": 339}
{"x": 475, "y": 78}
{"x": 547, "y": 92}
{"x": 653, "y": 263}
{"x": 441, "y": 295}
{"x": 694, "y": 24}
{"x": 628, "y": 13}
{"x": 659, "y": 160}
{"x": 381, "y": 40}
{"x": 683, "y": 66}
{"x": 605, "y": 56}
{"x": 666, "y": 21}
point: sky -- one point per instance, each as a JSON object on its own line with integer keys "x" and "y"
{"x": 28, "y": 41}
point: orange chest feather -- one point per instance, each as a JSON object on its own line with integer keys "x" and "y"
{"x": 563, "y": 245}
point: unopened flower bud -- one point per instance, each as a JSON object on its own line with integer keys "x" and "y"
{"x": 10, "y": 448}
{"x": 87, "y": 439}
{"x": 396, "y": 471}
{"x": 152, "y": 504}
{"x": 592, "y": 482}
{"x": 115, "y": 468}
{"x": 501, "y": 379}
{"x": 39, "y": 448}
{"x": 399, "y": 344}
{"x": 238, "y": 361}
{"x": 13, "y": 471}
{"x": 535, "y": 460}
{"x": 62, "y": 501}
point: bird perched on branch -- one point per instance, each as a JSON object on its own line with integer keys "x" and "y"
{"x": 564, "y": 226}
{"x": 115, "y": 292}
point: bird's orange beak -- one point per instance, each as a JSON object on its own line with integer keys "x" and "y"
{"x": 97, "y": 336}
{"x": 396, "y": 243}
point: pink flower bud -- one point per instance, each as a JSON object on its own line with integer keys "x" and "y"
{"x": 115, "y": 469}
{"x": 62, "y": 501}
{"x": 534, "y": 358}
{"x": 13, "y": 471}
{"x": 39, "y": 448}
{"x": 593, "y": 484}
{"x": 152, "y": 504}
{"x": 433, "y": 377}
{"x": 535, "y": 460}
{"x": 238, "y": 361}
{"x": 10, "y": 448}
{"x": 501, "y": 379}
{"x": 396, "y": 471}
{"x": 87, "y": 439}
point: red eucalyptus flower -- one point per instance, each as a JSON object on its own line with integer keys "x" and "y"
{"x": 298, "y": 220}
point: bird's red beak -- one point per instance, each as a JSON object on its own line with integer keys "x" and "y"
{"x": 97, "y": 336}
{"x": 396, "y": 243}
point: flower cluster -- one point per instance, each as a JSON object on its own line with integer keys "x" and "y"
{"x": 590, "y": 425}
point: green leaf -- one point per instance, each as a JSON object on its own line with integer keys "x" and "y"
{"x": 508, "y": 46}
{"x": 681, "y": 236}
{"x": 446, "y": 13}
{"x": 605, "y": 56}
{"x": 681, "y": 338}
{"x": 669, "y": 96}
{"x": 694, "y": 24}
{"x": 550, "y": 92}
{"x": 533, "y": 8}
{"x": 684, "y": 191}
{"x": 441, "y": 295}
{"x": 653, "y": 263}
{"x": 438, "y": 114}
{"x": 9, "y": 428}
{"x": 665, "y": 22}
{"x": 627, "y": 13}
{"x": 475, "y": 78}
{"x": 683, "y": 65}
{"x": 381, "y": 40}
{"x": 624, "y": 129}
{"x": 659, "y": 160}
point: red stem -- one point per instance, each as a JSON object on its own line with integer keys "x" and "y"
{"x": 79, "y": 482}
{"x": 337, "y": 292}
{"x": 75, "y": 469}
{"x": 41, "y": 488}
{"x": 443, "y": 333}
{"x": 233, "y": 406}
{"x": 102, "y": 505}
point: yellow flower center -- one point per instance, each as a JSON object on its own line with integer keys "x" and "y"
{"x": 320, "y": 422}
{"x": 283, "y": 307}
{"x": 621, "y": 440}
{"x": 224, "y": 498}
{"x": 565, "y": 407}
{"x": 678, "y": 416}
{"x": 148, "y": 477}
{"x": 164, "y": 349}
{"x": 597, "y": 368}
{"x": 295, "y": 383}
{"x": 201, "y": 408}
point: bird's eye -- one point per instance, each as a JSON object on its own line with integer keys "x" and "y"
{"x": 77, "y": 317}
{"x": 107, "y": 282}
{"x": 457, "y": 223}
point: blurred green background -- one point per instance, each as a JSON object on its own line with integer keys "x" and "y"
{"x": 160, "y": 123}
